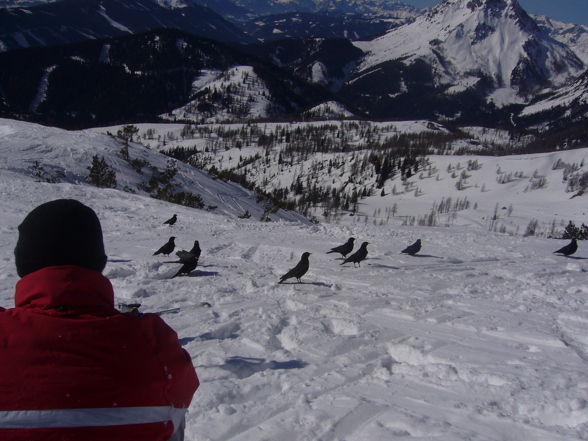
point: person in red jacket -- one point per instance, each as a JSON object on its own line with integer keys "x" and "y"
{"x": 72, "y": 367}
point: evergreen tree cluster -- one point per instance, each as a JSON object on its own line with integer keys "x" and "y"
{"x": 101, "y": 174}
{"x": 573, "y": 232}
{"x": 161, "y": 186}
{"x": 373, "y": 156}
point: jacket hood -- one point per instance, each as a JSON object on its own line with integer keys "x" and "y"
{"x": 65, "y": 290}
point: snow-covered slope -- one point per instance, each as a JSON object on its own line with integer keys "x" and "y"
{"x": 480, "y": 336}
{"x": 465, "y": 41}
{"x": 232, "y": 95}
{"x": 69, "y": 154}
{"x": 568, "y": 99}
{"x": 522, "y": 188}
{"x": 329, "y": 110}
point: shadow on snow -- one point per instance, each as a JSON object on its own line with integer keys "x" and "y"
{"x": 244, "y": 367}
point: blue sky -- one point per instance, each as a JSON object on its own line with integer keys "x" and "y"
{"x": 569, "y": 11}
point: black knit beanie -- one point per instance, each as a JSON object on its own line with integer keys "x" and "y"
{"x": 61, "y": 232}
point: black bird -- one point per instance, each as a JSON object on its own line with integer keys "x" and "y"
{"x": 195, "y": 251}
{"x": 167, "y": 248}
{"x": 172, "y": 220}
{"x": 299, "y": 270}
{"x": 569, "y": 249}
{"x": 189, "y": 260}
{"x": 344, "y": 249}
{"x": 412, "y": 249}
{"x": 358, "y": 256}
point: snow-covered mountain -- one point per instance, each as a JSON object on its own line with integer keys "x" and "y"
{"x": 244, "y": 9}
{"x": 311, "y": 25}
{"x": 468, "y": 62}
{"x": 377, "y": 9}
{"x": 328, "y": 62}
{"x": 244, "y": 96}
{"x": 169, "y": 4}
{"x": 573, "y": 35}
{"x": 25, "y": 3}
{"x": 137, "y": 77}
{"x": 467, "y": 43}
{"x": 239, "y": 94}
{"x": 70, "y": 21}
{"x": 329, "y": 110}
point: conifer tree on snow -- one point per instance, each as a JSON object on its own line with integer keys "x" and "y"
{"x": 101, "y": 174}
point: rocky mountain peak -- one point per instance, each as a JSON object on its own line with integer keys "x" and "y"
{"x": 483, "y": 11}
{"x": 465, "y": 41}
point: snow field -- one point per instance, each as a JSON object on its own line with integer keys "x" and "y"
{"x": 466, "y": 343}
{"x": 480, "y": 336}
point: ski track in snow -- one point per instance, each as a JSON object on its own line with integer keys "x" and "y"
{"x": 480, "y": 336}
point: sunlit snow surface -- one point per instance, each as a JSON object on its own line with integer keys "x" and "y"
{"x": 480, "y": 336}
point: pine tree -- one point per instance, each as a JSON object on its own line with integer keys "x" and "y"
{"x": 571, "y": 231}
{"x": 101, "y": 174}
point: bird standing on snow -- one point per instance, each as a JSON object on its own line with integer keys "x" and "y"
{"x": 189, "y": 261}
{"x": 412, "y": 249}
{"x": 569, "y": 249}
{"x": 358, "y": 256}
{"x": 167, "y": 248}
{"x": 196, "y": 251}
{"x": 299, "y": 270}
{"x": 344, "y": 249}
{"x": 172, "y": 220}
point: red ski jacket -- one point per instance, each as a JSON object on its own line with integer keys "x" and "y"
{"x": 72, "y": 367}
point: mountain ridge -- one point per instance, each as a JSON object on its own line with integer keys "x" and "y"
{"x": 496, "y": 39}
{"x": 133, "y": 78}
{"x": 73, "y": 21}
{"x": 476, "y": 62}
